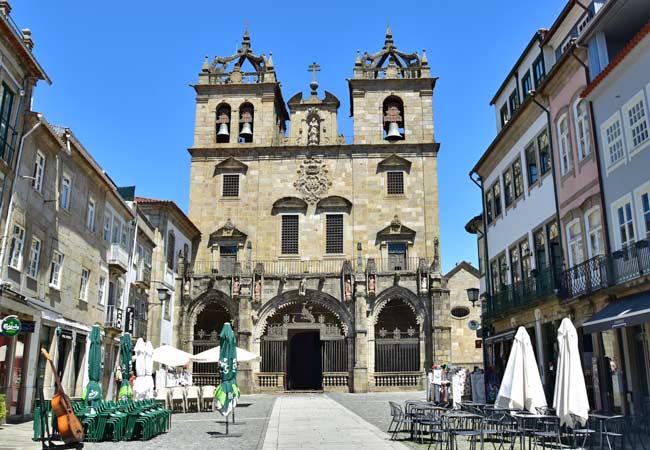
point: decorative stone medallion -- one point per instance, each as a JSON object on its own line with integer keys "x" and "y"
{"x": 313, "y": 181}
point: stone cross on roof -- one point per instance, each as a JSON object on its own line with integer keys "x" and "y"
{"x": 313, "y": 68}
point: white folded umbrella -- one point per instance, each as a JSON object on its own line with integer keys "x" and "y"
{"x": 212, "y": 355}
{"x": 570, "y": 396}
{"x": 521, "y": 386}
{"x": 171, "y": 356}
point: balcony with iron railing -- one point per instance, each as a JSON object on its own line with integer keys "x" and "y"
{"x": 604, "y": 271}
{"x": 113, "y": 317}
{"x": 143, "y": 275}
{"x": 118, "y": 258}
{"x": 533, "y": 288}
{"x": 282, "y": 267}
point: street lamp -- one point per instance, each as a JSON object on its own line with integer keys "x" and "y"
{"x": 163, "y": 295}
{"x": 472, "y": 295}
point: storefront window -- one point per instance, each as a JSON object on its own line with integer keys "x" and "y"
{"x": 614, "y": 389}
{"x": 12, "y": 350}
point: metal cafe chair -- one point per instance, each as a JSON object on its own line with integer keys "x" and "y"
{"x": 464, "y": 425}
{"x": 615, "y": 429}
{"x": 578, "y": 432}
{"x": 398, "y": 420}
{"x": 427, "y": 420}
{"x": 501, "y": 430}
{"x": 548, "y": 431}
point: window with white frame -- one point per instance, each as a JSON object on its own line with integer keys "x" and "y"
{"x": 613, "y": 138}
{"x": 594, "y": 226}
{"x": 83, "y": 285}
{"x": 90, "y": 215}
{"x": 103, "y": 283}
{"x": 34, "y": 258}
{"x": 581, "y": 117}
{"x": 625, "y": 223}
{"x": 66, "y": 191}
{"x": 565, "y": 143}
{"x": 574, "y": 237}
{"x": 16, "y": 248}
{"x": 55, "y": 269}
{"x": 636, "y": 121}
{"x": 39, "y": 172}
{"x": 108, "y": 218}
{"x": 644, "y": 213}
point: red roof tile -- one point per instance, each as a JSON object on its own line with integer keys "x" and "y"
{"x": 142, "y": 200}
{"x": 645, "y": 31}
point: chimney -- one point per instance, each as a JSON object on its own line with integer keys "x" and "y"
{"x": 5, "y": 7}
{"x": 27, "y": 38}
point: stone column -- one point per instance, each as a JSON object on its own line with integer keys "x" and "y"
{"x": 439, "y": 321}
{"x": 360, "y": 376}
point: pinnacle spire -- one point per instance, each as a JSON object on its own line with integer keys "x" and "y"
{"x": 357, "y": 62}
{"x": 269, "y": 62}
{"x": 424, "y": 60}
{"x": 206, "y": 65}
{"x": 389, "y": 37}
{"x": 246, "y": 40}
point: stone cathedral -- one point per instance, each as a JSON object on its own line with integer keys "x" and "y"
{"x": 323, "y": 252}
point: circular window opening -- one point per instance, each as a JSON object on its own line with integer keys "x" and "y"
{"x": 460, "y": 312}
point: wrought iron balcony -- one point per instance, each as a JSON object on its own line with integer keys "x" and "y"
{"x": 143, "y": 275}
{"x": 539, "y": 284}
{"x": 118, "y": 258}
{"x": 603, "y": 271}
{"x": 113, "y": 317}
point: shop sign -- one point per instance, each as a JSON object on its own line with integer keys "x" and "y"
{"x": 27, "y": 326}
{"x": 130, "y": 319}
{"x": 473, "y": 325}
{"x": 10, "y": 326}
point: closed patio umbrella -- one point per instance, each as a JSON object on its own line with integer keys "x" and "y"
{"x": 570, "y": 398}
{"x": 227, "y": 393}
{"x": 521, "y": 386}
{"x": 93, "y": 392}
{"x": 148, "y": 369}
{"x": 126, "y": 353}
{"x": 140, "y": 385}
{"x": 212, "y": 355}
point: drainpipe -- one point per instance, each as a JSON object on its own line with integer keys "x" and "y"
{"x": 12, "y": 195}
{"x": 596, "y": 155}
{"x": 555, "y": 185}
{"x": 130, "y": 274}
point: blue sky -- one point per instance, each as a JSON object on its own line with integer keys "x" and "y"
{"x": 121, "y": 71}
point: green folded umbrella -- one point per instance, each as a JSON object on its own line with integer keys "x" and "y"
{"x": 126, "y": 351}
{"x": 227, "y": 393}
{"x": 93, "y": 391}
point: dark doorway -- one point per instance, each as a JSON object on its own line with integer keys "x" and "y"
{"x": 304, "y": 368}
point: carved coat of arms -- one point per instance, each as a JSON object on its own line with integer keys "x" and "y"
{"x": 312, "y": 180}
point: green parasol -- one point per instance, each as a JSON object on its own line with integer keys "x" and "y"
{"x": 93, "y": 392}
{"x": 227, "y": 393}
{"x": 126, "y": 351}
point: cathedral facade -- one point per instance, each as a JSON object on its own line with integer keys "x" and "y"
{"x": 324, "y": 254}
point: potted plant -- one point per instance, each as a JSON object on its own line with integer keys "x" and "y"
{"x": 3, "y": 409}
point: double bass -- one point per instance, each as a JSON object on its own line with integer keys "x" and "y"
{"x": 70, "y": 429}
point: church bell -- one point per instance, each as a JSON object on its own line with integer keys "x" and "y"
{"x": 246, "y": 131}
{"x": 223, "y": 130}
{"x": 393, "y": 132}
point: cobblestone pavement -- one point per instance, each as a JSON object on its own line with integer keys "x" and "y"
{"x": 317, "y": 422}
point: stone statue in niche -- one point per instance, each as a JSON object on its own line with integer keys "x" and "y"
{"x": 436, "y": 256}
{"x": 372, "y": 286}
{"x": 347, "y": 284}
{"x": 423, "y": 283}
{"x": 313, "y": 132}
{"x": 302, "y": 288}
{"x": 236, "y": 286}
{"x": 257, "y": 293}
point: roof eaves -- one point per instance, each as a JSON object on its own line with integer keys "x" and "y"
{"x": 558, "y": 21}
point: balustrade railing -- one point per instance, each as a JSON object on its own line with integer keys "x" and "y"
{"x": 335, "y": 379}
{"x": 270, "y": 380}
{"x": 398, "y": 379}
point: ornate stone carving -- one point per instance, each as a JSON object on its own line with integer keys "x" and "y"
{"x": 313, "y": 181}
{"x": 236, "y": 286}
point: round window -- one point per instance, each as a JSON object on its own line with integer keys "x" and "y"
{"x": 460, "y": 312}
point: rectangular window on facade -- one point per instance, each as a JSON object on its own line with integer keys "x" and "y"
{"x": 517, "y": 178}
{"x": 526, "y": 84}
{"x": 101, "y": 290}
{"x": 645, "y": 213}
{"x": 395, "y": 183}
{"x": 55, "y": 270}
{"x": 83, "y": 285}
{"x": 594, "y": 233}
{"x": 574, "y": 236}
{"x": 507, "y": 187}
{"x": 488, "y": 206}
{"x": 230, "y": 186}
{"x": 539, "y": 238}
{"x": 539, "y": 71}
{"x": 107, "y": 226}
{"x": 16, "y": 248}
{"x": 39, "y": 172}
{"x": 637, "y": 121}
{"x": 513, "y": 102}
{"x": 544, "y": 152}
{"x": 290, "y": 234}
{"x": 583, "y": 136}
{"x": 625, "y": 224}
{"x": 565, "y": 144}
{"x": 90, "y": 218}
{"x": 505, "y": 117}
{"x": 524, "y": 256}
{"x": 334, "y": 233}
{"x": 227, "y": 258}
{"x": 503, "y": 270}
{"x": 515, "y": 268}
{"x": 34, "y": 258}
{"x": 494, "y": 275}
{"x": 613, "y": 137}
{"x": 397, "y": 255}
{"x": 66, "y": 190}
{"x": 496, "y": 193}
{"x": 6, "y": 144}
{"x": 531, "y": 164}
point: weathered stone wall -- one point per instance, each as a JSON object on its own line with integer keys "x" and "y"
{"x": 463, "y": 339}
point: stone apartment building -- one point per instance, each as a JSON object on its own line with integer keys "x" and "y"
{"x": 324, "y": 254}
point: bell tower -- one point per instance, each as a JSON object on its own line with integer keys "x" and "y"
{"x": 239, "y": 101}
{"x": 391, "y": 96}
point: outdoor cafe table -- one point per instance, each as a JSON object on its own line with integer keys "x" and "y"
{"x": 601, "y": 418}
{"x": 459, "y": 414}
{"x": 522, "y": 417}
